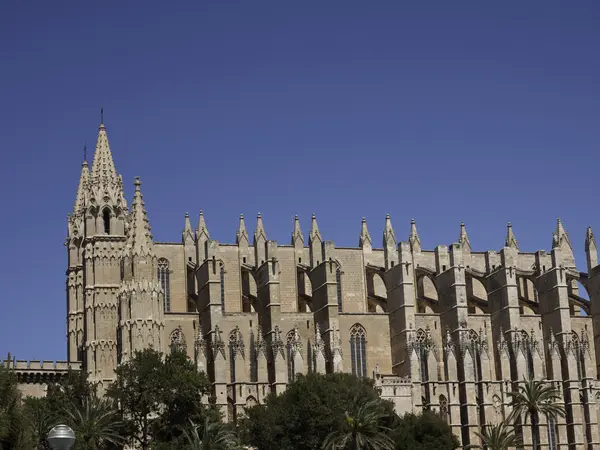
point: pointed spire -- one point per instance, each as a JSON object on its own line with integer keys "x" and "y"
{"x": 463, "y": 238}
{"x": 511, "y": 241}
{"x": 260, "y": 229}
{"x": 101, "y": 115}
{"x": 365, "y": 237}
{"x": 188, "y": 233}
{"x": 242, "y": 234}
{"x": 389, "y": 237}
{"x": 103, "y": 166}
{"x": 413, "y": 237}
{"x": 140, "y": 237}
{"x": 560, "y": 236}
{"x": 314, "y": 230}
{"x": 297, "y": 237}
{"x": 85, "y": 152}
{"x": 81, "y": 189}
{"x": 590, "y": 240}
{"x": 591, "y": 249}
{"x": 201, "y": 229}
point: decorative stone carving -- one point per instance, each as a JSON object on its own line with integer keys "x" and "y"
{"x": 336, "y": 350}
{"x": 553, "y": 346}
{"x": 178, "y": 341}
{"x": 422, "y": 342}
{"x": 218, "y": 346}
{"x": 236, "y": 342}
{"x": 277, "y": 344}
{"x": 473, "y": 342}
{"x": 448, "y": 343}
{"x": 295, "y": 343}
{"x": 261, "y": 344}
{"x": 319, "y": 345}
{"x": 199, "y": 344}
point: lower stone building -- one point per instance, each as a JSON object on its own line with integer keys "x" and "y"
{"x": 447, "y": 329}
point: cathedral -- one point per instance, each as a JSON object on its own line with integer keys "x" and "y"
{"x": 446, "y": 329}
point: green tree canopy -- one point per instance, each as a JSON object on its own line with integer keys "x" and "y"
{"x": 307, "y": 412}
{"x": 158, "y": 396}
{"x": 425, "y": 431}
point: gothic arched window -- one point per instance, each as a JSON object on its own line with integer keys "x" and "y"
{"x": 551, "y": 433}
{"x": 177, "y": 341}
{"x": 422, "y": 346}
{"x": 358, "y": 350}
{"x": 291, "y": 347}
{"x": 222, "y": 275}
{"x": 338, "y": 280}
{"x": 106, "y": 220}
{"x": 165, "y": 282}
{"x": 444, "y": 408}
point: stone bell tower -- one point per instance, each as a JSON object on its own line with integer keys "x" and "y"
{"x": 96, "y": 240}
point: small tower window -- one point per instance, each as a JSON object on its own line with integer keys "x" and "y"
{"x": 106, "y": 219}
{"x": 165, "y": 282}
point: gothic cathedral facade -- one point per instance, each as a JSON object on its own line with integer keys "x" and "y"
{"x": 448, "y": 329}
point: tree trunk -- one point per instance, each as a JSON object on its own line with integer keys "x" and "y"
{"x": 535, "y": 431}
{"x": 353, "y": 444}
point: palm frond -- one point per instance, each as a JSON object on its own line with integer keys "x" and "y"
{"x": 499, "y": 437}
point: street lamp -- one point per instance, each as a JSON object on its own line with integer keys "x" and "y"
{"x": 61, "y": 437}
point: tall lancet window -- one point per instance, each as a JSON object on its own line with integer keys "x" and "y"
{"x": 551, "y": 433}
{"x": 358, "y": 350}
{"x": 165, "y": 281}
{"x": 422, "y": 349}
{"x": 338, "y": 280}
{"x": 106, "y": 220}
{"x": 222, "y": 275}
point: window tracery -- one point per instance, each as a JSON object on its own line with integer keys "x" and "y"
{"x": 164, "y": 278}
{"x": 444, "y": 408}
{"x": 177, "y": 341}
{"x": 358, "y": 350}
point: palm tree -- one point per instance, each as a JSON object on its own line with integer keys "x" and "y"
{"x": 215, "y": 436}
{"x": 499, "y": 437}
{"x": 535, "y": 398}
{"x": 39, "y": 420}
{"x": 96, "y": 423}
{"x": 362, "y": 429}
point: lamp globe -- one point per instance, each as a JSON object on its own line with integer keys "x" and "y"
{"x": 61, "y": 437}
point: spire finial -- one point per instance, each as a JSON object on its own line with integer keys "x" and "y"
{"x": 413, "y": 237}
{"x": 365, "y": 237}
{"x": 137, "y": 183}
{"x": 85, "y": 151}
{"x": 101, "y": 114}
{"x": 511, "y": 241}
{"x": 242, "y": 235}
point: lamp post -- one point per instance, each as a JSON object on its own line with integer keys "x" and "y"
{"x": 61, "y": 437}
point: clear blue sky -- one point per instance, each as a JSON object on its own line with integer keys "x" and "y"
{"x": 443, "y": 111}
